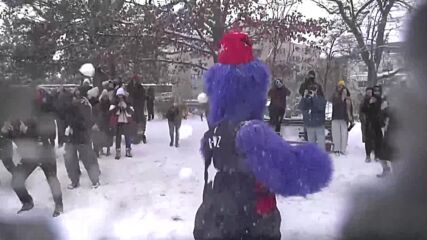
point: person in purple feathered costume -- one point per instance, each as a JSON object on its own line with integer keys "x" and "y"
{"x": 253, "y": 163}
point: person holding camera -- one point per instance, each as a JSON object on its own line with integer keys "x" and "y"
{"x": 309, "y": 82}
{"x": 27, "y": 136}
{"x": 313, "y": 107}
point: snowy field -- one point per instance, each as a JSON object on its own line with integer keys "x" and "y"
{"x": 155, "y": 194}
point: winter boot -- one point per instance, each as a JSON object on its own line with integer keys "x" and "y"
{"x": 58, "y": 210}
{"x": 118, "y": 154}
{"x": 27, "y": 206}
{"x": 177, "y": 144}
{"x": 144, "y": 139}
{"x": 108, "y": 152}
{"x": 171, "y": 144}
{"x": 368, "y": 159}
{"x": 128, "y": 153}
{"x": 73, "y": 186}
{"x": 385, "y": 173}
{"x": 96, "y": 185}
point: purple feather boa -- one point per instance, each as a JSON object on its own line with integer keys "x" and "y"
{"x": 286, "y": 170}
{"x": 236, "y": 92}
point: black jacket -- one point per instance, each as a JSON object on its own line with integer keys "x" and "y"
{"x": 79, "y": 118}
{"x": 174, "y": 114}
{"x": 278, "y": 97}
{"x": 388, "y": 149}
{"x": 309, "y": 84}
{"x": 339, "y": 107}
{"x": 137, "y": 99}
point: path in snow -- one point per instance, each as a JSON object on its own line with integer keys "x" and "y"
{"x": 155, "y": 194}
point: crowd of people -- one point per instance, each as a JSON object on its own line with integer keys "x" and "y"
{"x": 86, "y": 120}
{"x": 374, "y": 115}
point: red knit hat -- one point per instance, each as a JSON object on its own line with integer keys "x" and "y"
{"x": 235, "y": 48}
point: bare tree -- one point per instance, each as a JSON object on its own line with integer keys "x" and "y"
{"x": 369, "y": 22}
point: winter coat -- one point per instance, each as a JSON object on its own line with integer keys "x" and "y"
{"x": 174, "y": 114}
{"x": 115, "y": 111}
{"x": 372, "y": 116}
{"x": 79, "y": 119}
{"x": 84, "y": 89}
{"x": 63, "y": 102}
{"x": 313, "y": 109}
{"x": 150, "y": 99}
{"x": 137, "y": 98}
{"x": 339, "y": 107}
{"x": 388, "y": 150}
{"x": 310, "y": 84}
{"x": 278, "y": 97}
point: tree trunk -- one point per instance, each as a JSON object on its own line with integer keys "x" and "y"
{"x": 372, "y": 74}
{"x": 325, "y": 79}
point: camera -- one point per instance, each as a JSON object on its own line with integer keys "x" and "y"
{"x": 312, "y": 90}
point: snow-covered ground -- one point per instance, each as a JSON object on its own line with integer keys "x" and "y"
{"x": 155, "y": 194}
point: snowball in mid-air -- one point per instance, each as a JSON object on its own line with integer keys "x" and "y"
{"x": 87, "y": 70}
{"x": 185, "y": 131}
{"x": 185, "y": 173}
{"x": 202, "y": 98}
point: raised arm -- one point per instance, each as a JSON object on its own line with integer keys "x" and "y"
{"x": 286, "y": 170}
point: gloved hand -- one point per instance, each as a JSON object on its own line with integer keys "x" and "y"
{"x": 95, "y": 127}
{"x": 68, "y": 131}
{"x": 7, "y": 127}
{"x": 23, "y": 128}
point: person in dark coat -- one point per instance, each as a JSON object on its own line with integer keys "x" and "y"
{"x": 121, "y": 119}
{"x": 79, "y": 124}
{"x": 372, "y": 123}
{"x": 277, "y": 107}
{"x": 27, "y": 134}
{"x": 174, "y": 116}
{"x": 313, "y": 107}
{"x": 150, "y": 103}
{"x": 395, "y": 208}
{"x": 137, "y": 99}
{"x": 387, "y": 149}
{"x": 309, "y": 82}
{"x": 62, "y": 103}
{"x": 103, "y": 133}
{"x": 362, "y": 117}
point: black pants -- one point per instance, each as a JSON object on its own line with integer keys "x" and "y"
{"x": 123, "y": 129}
{"x": 174, "y": 131}
{"x": 84, "y": 152}
{"x": 276, "y": 117}
{"x": 373, "y": 141}
{"x": 150, "y": 110}
{"x": 61, "y": 131}
{"x": 47, "y": 163}
{"x": 6, "y": 154}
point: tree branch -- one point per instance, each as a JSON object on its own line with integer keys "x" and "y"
{"x": 362, "y": 8}
{"x": 390, "y": 74}
{"x": 173, "y": 62}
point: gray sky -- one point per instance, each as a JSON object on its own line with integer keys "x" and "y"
{"x": 311, "y": 10}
